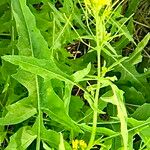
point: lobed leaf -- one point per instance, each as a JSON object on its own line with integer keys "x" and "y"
{"x": 30, "y": 42}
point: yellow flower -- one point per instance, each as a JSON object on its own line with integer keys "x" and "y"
{"x": 79, "y": 144}
{"x": 82, "y": 144}
{"x": 96, "y": 5}
{"x": 101, "y": 2}
{"x": 75, "y": 144}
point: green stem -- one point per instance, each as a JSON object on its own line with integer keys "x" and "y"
{"x": 39, "y": 115}
{"x": 99, "y": 37}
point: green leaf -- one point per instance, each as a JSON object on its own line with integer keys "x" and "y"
{"x": 58, "y": 14}
{"x": 30, "y": 42}
{"x": 142, "y": 128}
{"x": 99, "y": 131}
{"x": 46, "y": 147}
{"x": 61, "y": 144}
{"x": 21, "y": 139}
{"x": 67, "y": 96}
{"x": 2, "y": 135}
{"x": 3, "y": 2}
{"x": 123, "y": 41}
{"x": 129, "y": 74}
{"x": 132, "y": 96}
{"x": 54, "y": 107}
{"x": 52, "y": 138}
{"x": 122, "y": 114}
{"x": 132, "y": 6}
{"x": 123, "y": 29}
{"x": 27, "y": 80}
{"x": 44, "y": 68}
{"x": 117, "y": 99}
{"x": 76, "y": 104}
{"x": 136, "y": 56}
{"x": 142, "y": 112}
{"x": 5, "y": 23}
{"x": 26, "y": 107}
{"x": 79, "y": 75}
{"x": 107, "y": 145}
{"x": 18, "y": 112}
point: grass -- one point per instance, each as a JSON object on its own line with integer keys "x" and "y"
{"x": 74, "y": 75}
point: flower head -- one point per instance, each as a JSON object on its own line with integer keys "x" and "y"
{"x": 75, "y": 144}
{"x": 79, "y": 144}
{"x": 96, "y": 5}
{"x": 82, "y": 144}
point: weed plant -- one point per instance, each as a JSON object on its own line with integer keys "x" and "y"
{"x": 72, "y": 76}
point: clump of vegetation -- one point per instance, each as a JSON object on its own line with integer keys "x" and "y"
{"x": 74, "y": 74}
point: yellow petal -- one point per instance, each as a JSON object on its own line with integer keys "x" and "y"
{"x": 75, "y": 144}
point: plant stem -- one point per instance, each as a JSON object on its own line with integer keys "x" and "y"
{"x": 99, "y": 38}
{"x": 39, "y": 115}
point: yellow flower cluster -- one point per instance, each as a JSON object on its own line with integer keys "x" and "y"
{"x": 97, "y": 4}
{"x": 79, "y": 144}
{"x": 101, "y": 3}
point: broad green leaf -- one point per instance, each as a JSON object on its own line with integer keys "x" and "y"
{"x": 21, "y": 139}
{"x": 129, "y": 74}
{"x": 30, "y": 42}
{"x": 18, "y": 112}
{"x": 44, "y": 68}
{"x": 133, "y": 96}
{"x": 55, "y": 109}
{"x": 76, "y": 104}
{"x": 53, "y": 106}
{"x": 142, "y": 112}
{"x": 27, "y": 80}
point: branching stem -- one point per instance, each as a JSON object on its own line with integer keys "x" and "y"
{"x": 99, "y": 38}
